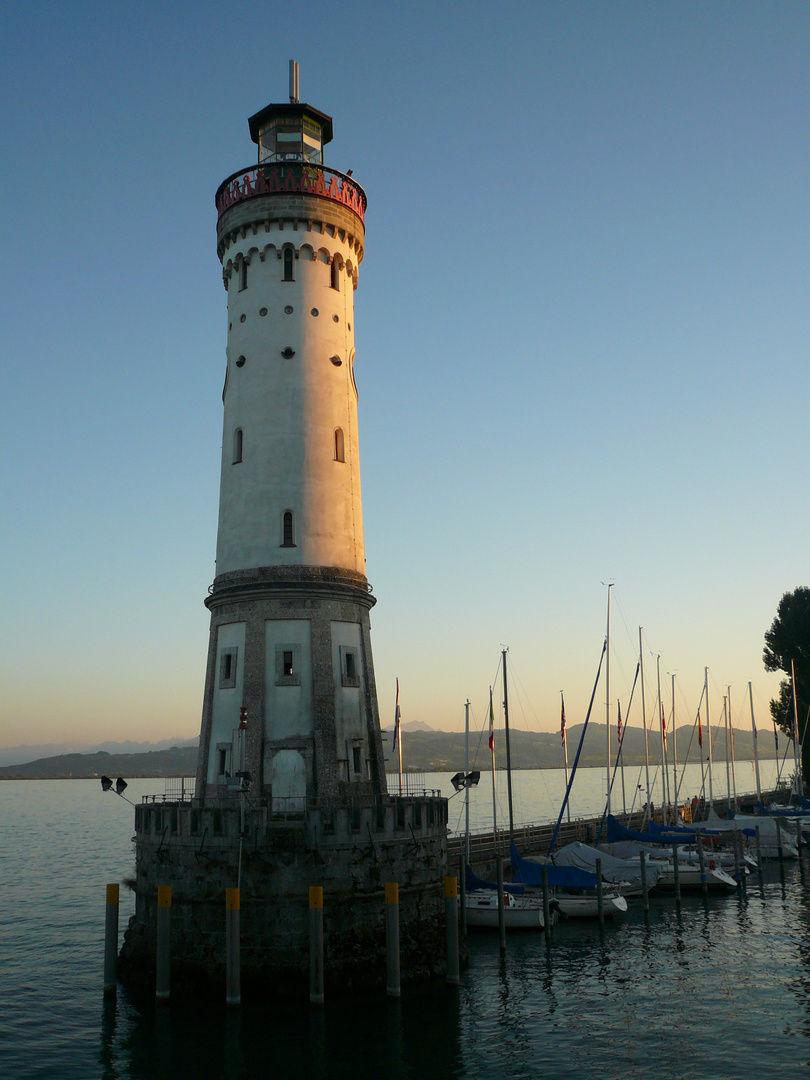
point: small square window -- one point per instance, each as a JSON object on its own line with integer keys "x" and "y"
{"x": 288, "y": 665}
{"x": 227, "y": 668}
{"x": 349, "y": 666}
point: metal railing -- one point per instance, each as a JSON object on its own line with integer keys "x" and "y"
{"x": 290, "y": 178}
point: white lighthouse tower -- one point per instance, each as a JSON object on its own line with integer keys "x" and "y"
{"x": 290, "y": 648}
{"x": 290, "y": 791}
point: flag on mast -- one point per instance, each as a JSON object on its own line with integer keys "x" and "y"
{"x": 396, "y": 720}
{"x": 620, "y": 723}
{"x": 562, "y": 718}
{"x": 491, "y": 723}
{"x": 700, "y": 733}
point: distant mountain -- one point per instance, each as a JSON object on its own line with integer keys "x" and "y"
{"x": 176, "y": 761}
{"x": 436, "y": 751}
{"x": 424, "y": 750}
{"x": 18, "y": 755}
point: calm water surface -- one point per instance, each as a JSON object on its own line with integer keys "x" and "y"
{"x": 721, "y": 990}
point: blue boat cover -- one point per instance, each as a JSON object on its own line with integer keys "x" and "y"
{"x": 474, "y": 882}
{"x": 692, "y": 830}
{"x": 559, "y": 877}
{"x": 657, "y": 834}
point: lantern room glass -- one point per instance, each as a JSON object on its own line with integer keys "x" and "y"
{"x": 297, "y": 138}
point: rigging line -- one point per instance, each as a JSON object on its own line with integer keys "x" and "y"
{"x": 618, "y": 758}
{"x": 579, "y": 749}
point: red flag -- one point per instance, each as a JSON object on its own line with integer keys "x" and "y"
{"x": 396, "y": 720}
{"x": 663, "y": 719}
{"x": 620, "y": 723}
{"x": 562, "y": 719}
{"x": 700, "y": 733}
{"x": 491, "y": 723}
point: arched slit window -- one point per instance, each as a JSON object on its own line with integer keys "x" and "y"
{"x": 340, "y": 454}
{"x": 288, "y": 264}
{"x": 288, "y": 530}
{"x": 242, "y": 275}
{"x": 237, "y": 446}
{"x": 335, "y": 276}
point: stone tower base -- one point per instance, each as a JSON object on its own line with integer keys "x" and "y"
{"x": 350, "y": 849}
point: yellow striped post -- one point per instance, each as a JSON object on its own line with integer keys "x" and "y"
{"x": 164, "y": 922}
{"x": 451, "y": 919}
{"x": 111, "y": 940}
{"x": 233, "y": 995}
{"x": 392, "y": 938}
{"x": 316, "y": 979}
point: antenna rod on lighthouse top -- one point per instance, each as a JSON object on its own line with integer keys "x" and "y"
{"x": 293, "y": 82}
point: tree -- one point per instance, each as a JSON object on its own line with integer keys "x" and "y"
{"x": 789, "y": 639}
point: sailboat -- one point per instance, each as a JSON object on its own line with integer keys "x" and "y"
{"x": 522, "y": 909}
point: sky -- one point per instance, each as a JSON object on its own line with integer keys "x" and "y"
{"x": 581, "y": 325}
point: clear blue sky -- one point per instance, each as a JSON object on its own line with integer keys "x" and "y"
{"x": 582, "y": 341}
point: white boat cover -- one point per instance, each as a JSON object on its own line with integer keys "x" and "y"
{"x": 613, "y": 868}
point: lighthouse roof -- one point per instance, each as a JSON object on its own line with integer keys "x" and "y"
{"x": 289, "y": 111}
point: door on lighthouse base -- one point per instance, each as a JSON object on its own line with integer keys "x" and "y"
{"x": 288, "y": 779}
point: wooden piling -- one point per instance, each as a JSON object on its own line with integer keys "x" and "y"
{"x": 758, "y": 843}
{"x": 501, "y": 914}
{"x": 392, "y": 938}
{"x": 316, "y": 970}
{"x": 704, "y": 881}
{"x": 546, "y": 905}
{"x": 645, "y": 893}
{"x": 600, "y": 895}
{"x": 233, "y": 993}
{"x": 111, "y": 941}
{"x": 462, "y": 883}
{"x": 163, "y": 962}
{"x": 677, "y": 874}
{"x": 451, "y": 918}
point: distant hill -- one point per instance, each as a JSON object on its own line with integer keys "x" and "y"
{"x": 422, "y": 751}
{"x": 437, "y": 751}
{"x": 176, "y": 761}
{"x": 18, "y": 755}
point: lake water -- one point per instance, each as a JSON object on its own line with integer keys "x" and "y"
{"x": 719, "y": 990}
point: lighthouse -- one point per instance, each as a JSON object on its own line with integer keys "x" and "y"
{"x": 290, "y": 792}
{"x": 290, "y": 645}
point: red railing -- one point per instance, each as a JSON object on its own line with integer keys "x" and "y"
{"x": 290, "y": 177}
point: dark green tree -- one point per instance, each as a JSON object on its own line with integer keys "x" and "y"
{"x": 789, "y": 639}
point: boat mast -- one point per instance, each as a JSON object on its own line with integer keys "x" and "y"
{"x": 709, "y": 736}
{"x": 644, "y": 719}
{"x": 492, "y": 752}
{"x": 663, "y": 724}
{"x": 565, "y": 748}
{"x": 796, "y": 755}
{"x": 733, "y": 770}
{"x": 674, "y": 753}
{"x": 508, "y": 754}
{"x": 756, "y": 753}
{"x": 728, "y": 755}
{"x": 467, "y": 780}
{"x": 607, "y": 698}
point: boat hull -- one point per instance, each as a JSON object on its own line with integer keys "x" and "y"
{"x": 519, "y": 912}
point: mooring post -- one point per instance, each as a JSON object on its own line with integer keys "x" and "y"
{"x": 316, "y": 978}
{"x": 759, "y": 852}
{"x": 501, "y": 911}
{"x": 645, "y": 895}
{"x": 737, "y": 863}
{"x": 451, "y": 916}
{"x": 462, "y": 888}
{"x": 779, "y": 838}
{"x": 233, "y": 995}
{"x": 677, "y": 873}
{"x": 600, "y": 897}
{"x": 392, "y": 938}
{"x": 704, "y": 881}
{"x": 111, "y": 941}
{"x": 164, "y": 923}
{"x": 546, "y": 905}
